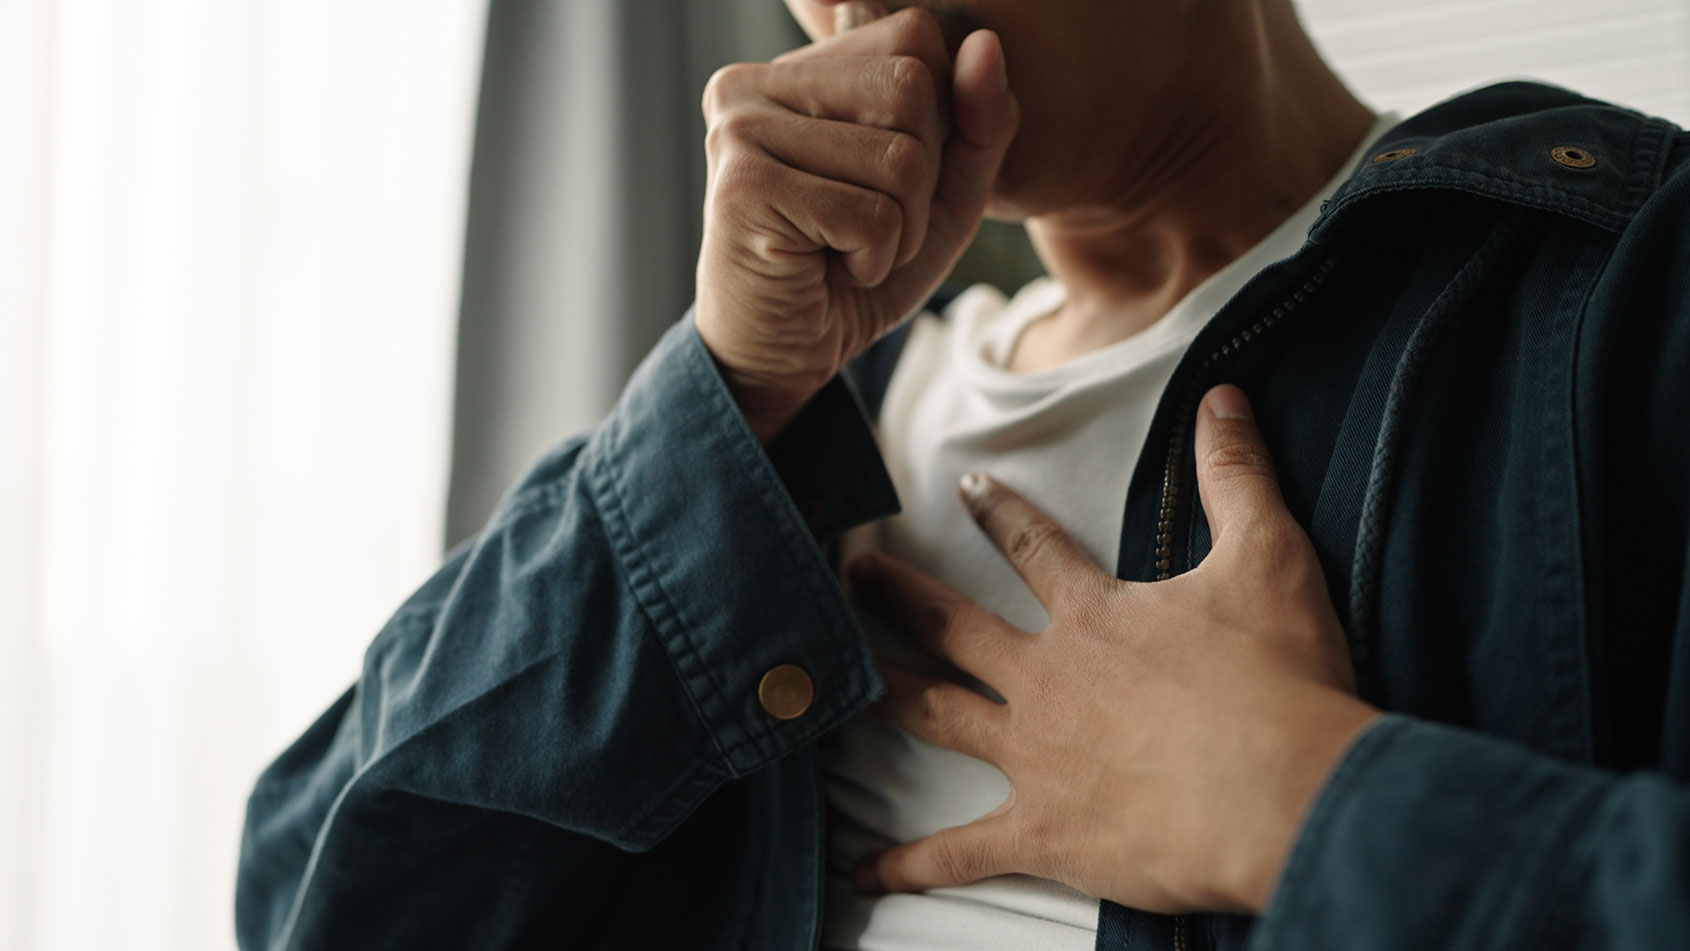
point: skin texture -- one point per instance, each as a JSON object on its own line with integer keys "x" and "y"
{"x": 1181, "y": 729}
{"x": 845, "y": 179}
{"x": 1162, "y": 741}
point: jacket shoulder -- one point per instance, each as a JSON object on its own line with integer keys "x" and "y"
{"x": 1528, "y": 144}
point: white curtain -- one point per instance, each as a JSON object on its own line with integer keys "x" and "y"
{"x": 230, "y": 244}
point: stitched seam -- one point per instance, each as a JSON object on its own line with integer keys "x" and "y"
{"x": 788, "y": 525}
{"x": 707, "y": 379}
{"x": 1570, "y": 714}
{"x": 1648, "y": 160}
{"x": 666, "y": 809}
{"x": 1549, "y": 200}
{"x": 1377, "y": 498}
{"x": 363, "y": 773}
{"x": 814, "y": 723}
{"x": 538, "y": 497}
{"x": 1414, "y": 170}
{"x": 670, "y": 618}
{"x": 649, "y": 594}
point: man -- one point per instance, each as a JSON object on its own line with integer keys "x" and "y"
{"x": 631, "y": 713}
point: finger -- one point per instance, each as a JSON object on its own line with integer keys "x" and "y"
{"x": 987, "y": 117}
{"x": 947, "y": 858}
{"x": 942, "y": 619}
{"x": 1044, "y": 555}
{"x": 791, "y": 212}
{"x": 911, "y": 32}
{"x": 896, "y": 164}
{"x": 944, "y": 714}
{"x": 1235, "y": 477}
{"x": 897, "y": 93}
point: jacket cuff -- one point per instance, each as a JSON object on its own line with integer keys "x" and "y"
{"x": 718, "y": 554}
{"x": 1429, "y": 836}
{"x": 830, "y": 463}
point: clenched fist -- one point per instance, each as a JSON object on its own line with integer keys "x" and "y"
{"x": 845, "y": 179}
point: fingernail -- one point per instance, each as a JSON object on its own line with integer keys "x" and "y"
{"x": 866, "y": 878}
{"x": 1229, "y": 402}
{"x": 973, "y": 488}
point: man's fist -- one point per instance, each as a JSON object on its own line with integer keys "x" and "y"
{"x": 845, "y": 179}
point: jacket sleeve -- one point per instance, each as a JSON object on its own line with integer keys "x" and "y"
{"x": 591, "y": 661}
{"x": 1428, "y": 836}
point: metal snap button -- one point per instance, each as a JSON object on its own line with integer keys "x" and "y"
{"x": 786, "y": 692}
{"x": 1572, "y": 157}
{"x": 1393, "y": 155}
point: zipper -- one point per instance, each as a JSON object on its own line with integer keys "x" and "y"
{"x": 1171, "y": 468}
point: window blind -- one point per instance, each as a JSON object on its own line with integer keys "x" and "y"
{"x": 1406, "y": 56}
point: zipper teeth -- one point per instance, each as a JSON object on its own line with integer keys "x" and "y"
{"x": 1182, "y": 426}
{"x": 1180, "y": 930}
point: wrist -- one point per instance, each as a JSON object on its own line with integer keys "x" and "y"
{"x": 767, "y": 398}
{"x": 766, "y": 411}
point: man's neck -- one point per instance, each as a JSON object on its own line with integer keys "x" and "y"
{"x": 1220, "y": 179}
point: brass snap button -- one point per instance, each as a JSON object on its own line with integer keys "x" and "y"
{"x": 786, "y": 692}
{"x": 1393, "y": 155}
{"x": 1572, "y": 157}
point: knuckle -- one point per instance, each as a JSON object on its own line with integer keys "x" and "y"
{"x": 739, "y": 124}
{"x": 951, "y": 861}
{"x": 933, "y": 706}
{"x": 1237, "y": 457}
{"x": 730, "y": 128}
{"x": 911, "y": 89}
{"x": 915, "y": 28}
{"x": 904, "y": 159}
{"x": 1091, "y": 602}
{"x": 881, "y": 216}
{"x": 738, "y": 174}
{"x": 1028, "y": 540}
{"x": 725, "y": 85}
{"x": 909, "y": 78}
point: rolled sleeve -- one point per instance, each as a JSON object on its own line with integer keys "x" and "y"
{"x": 712, "y": 536}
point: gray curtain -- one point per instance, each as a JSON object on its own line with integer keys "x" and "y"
{"x": 586, "y": 193}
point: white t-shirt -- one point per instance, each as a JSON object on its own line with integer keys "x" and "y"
{"x": 1067, "y": 438}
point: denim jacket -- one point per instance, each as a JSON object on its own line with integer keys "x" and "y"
{"x": 1474, "y": 381}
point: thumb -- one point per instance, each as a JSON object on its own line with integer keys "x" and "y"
{"x": 986, "y": 117}
{"x": 1235, "y": 476}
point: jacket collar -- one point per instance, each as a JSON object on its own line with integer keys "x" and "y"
{"x": 1501, "y": 142}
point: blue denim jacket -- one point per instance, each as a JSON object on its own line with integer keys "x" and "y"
{"x": 1473, "y": 379}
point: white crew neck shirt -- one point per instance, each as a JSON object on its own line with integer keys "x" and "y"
{"x": 1067, "y": 438}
